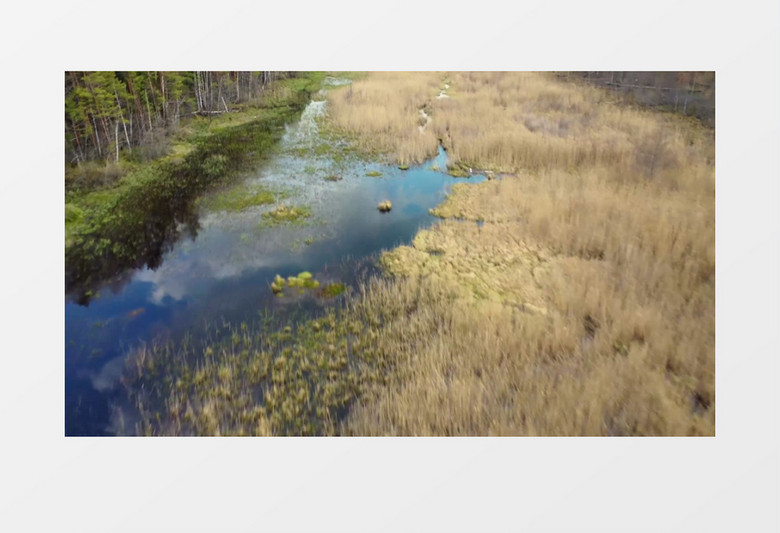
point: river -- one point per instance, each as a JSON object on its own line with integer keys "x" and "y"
{"x": 224, "y": 272}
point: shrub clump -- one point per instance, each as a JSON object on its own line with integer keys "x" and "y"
{"x": 304, "y": 280}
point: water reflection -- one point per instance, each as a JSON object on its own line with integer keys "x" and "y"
{"x": 224, "y": 271}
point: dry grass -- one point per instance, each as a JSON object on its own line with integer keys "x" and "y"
{"x": 586, "y": 300}
{"x": 384, "y": 110}
{"x": 510, "y": 121}
{"x": 582, "y": 304}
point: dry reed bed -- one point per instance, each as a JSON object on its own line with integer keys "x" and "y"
{"x": 583, "y": 305}
{"x": 587, "y": 298}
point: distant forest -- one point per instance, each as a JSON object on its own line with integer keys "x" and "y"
{"x": 690, "y": 93}
{"x": 107, "y": 111}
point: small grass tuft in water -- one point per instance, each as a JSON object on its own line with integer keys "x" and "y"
{"x": 283, "y": 214}
{"x": 373, "y": 174}
{"x": 304, "y": 280}
{"x": 331, "y": 290}
{"x": 403, "y": 167}
{"x": 385, "y": 206}
{"x": 277, "y": 286}
{"x": 458, "y": 170}
{"x": 333, "y": 177}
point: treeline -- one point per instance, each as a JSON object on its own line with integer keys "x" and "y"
{"x": 689, "y": 93}
{"x": 108, "y": 111}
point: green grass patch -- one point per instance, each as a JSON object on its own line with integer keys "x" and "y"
{"x": 237, "y": 199}
{"x": 373, "y": 174}
{"x": 331, "y": 290}
{"x": 458, "y": 170}
{"x": 301, "y": 282}
{"x": 282, "y": 214}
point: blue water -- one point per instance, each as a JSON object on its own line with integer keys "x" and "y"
{"x": 225, "y": 272}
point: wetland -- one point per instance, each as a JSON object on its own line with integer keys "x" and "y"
{"x": 421, "y": 253}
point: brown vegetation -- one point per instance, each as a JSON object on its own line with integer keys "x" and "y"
{"x": 586, "y": 300}
{"x": 575, "y": 295}
{"x": 384, "y": 110}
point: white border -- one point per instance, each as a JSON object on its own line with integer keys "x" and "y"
{"x": 725, "y": 483}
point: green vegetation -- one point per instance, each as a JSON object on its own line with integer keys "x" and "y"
{"x": 304, "y": 280}
{"x": 127, "y": 221}
{"x": 385, "y": 206}
{"x": 594, "y": 264}
{"x": 403, "y": 167}
{"x": 282, "y": 214}
{"x": 274, "y": 380}
{"x": 237, "y": 199}
{"x": 113, "y": 234}
{"x": 277, "y": 285}
{"x": 333, "y": 177}
{"x": 583, "y": 305}
{"x": 373, "y": 174}
{"x": 131, "y": 115}
{"x": 458, "y": 170}
{"x": 331, "y": 290}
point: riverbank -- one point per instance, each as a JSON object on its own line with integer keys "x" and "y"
{"x": 131, "y": 220}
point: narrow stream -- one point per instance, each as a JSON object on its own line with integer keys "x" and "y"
{"x": 225, "y": 272}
